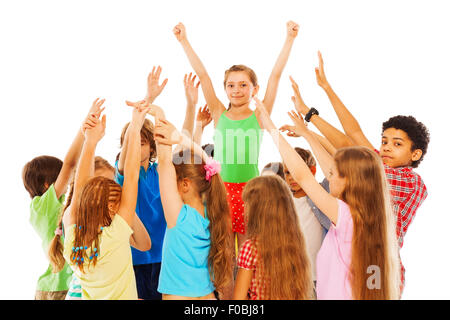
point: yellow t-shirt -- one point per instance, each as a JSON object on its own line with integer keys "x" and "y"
{"x": 112, "y": 278}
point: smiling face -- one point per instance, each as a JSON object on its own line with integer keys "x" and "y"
{"x": 239, "y": 88}
{"x": 396, "y": 149}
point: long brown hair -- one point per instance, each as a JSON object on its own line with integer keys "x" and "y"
{"x": 212, "y": 192}
{"x": 273, "y": 225}
{"x": 374, "y": 240}
{"x": 56, "y": 247}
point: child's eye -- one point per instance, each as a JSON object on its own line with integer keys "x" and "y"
{"x": 398, "y": 144}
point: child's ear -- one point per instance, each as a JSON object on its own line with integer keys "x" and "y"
{"x": 416, "y": 155}
{"x": 255, "y": 91}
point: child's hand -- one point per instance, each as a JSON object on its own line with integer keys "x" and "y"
{"x": 300, "y": 105}
{"x": 153, "y": 87}
{"x": 300, "y": 127}
{"x": 291, "y": 130}
{"x": 180, "y": 32}
{"x": 320, "y": 73}
{"x": 191, "y": 89}
{"x": 204, "y": 116}
{"x": 94, "y": 110}
{"x": 292, "y": 29}
{"x": 140, "y": 110}
{"x": 153, "y": 109}
{"x": 94, "y": 127}
{"x": 262, "y": 115}
{"x": 166, "y": 133}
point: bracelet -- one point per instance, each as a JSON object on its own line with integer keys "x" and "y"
{"x": 311, "y": 112}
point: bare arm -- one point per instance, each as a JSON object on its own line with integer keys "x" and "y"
{"x": 274, "y": 79}
{"x": 298, "y": 168}
{"x": 191, "y": 92}
{"x": 242, "y": 284}
{"x": 154, "y": 89}
{"x": 348, "y": 121}
{"x": 140, "y": 239}
{"x": 73, "y": 155}
{"x": 337, "y": 138}
{"x": 216, "y": 107}
{"x": 128, "y": 200}
{"x": 203, "y": 119}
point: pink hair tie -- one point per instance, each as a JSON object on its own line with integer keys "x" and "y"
{"x": 211, "y": 167}
{"x": 58, "y": 232}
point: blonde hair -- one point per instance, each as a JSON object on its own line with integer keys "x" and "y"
{"x": 212, "y": 192}
{"x": 374, "y": 240}
{"x": 273, "y": 225}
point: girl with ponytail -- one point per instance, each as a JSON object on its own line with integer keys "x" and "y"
{"x": 198, "y": 245}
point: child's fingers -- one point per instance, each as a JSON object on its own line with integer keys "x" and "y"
{"x": 163, "y": 84}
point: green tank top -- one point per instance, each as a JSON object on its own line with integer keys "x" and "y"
{"x": 236, "y": 147}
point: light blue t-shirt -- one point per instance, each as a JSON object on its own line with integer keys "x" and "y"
{"x": 184, "y": 266}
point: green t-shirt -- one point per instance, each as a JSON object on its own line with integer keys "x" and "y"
{"x": 236, "y": 146}
{"x": 44, "y": 213}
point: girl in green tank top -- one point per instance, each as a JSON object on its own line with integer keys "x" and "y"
{"x": 238, "y": 134}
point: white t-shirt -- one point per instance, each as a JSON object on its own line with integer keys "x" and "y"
{"x": 312, "y": 230}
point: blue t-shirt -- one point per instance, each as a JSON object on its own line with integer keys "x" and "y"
{"x": 149, "y": 209}
{"x": 184, "y": 267}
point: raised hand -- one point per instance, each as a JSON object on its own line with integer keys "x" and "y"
{"x": 320, "y": 73}
{"x": 180, "y": 32}
{"x": 204, "y": 116}
{"x": 300, "y": 127}
{"x": 94, "y": 128}
{"x": 292, "y": 29}
{"x": 166, "y": 133}
{"x": 262, "y": 115}
{"x": 140, "y": 110}
{"x": 300, "y": 105}
{"x": 291, "y": 132}
{"x": 93, "y": 115}
{"x": 191, "y": 89}
{"x": 153, "y": 87}
{"x": 152, "y": 110}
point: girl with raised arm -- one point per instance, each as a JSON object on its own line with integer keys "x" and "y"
{"x": 237, "y": 138}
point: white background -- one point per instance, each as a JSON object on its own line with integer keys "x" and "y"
{"x": 383, "y": 58}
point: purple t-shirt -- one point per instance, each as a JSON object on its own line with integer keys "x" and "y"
{"x": 334, "y": 258}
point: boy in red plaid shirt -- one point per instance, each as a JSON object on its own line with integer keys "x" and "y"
{"x": 403, "y": 145}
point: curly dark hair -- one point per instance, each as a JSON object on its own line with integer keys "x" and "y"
{"x": 415, "y": 130}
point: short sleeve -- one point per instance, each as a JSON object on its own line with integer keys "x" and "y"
{"x": 344, "y": 225}
{"x": 118, "y": 176}
{"x": 245, "y": 258}
{"x": 118, "y": 229}
{"x": 44, "y": 213}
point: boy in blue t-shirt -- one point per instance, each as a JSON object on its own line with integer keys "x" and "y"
{"x": 147, "y": 264}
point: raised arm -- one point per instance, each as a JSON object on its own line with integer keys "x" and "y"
{"x": 274, "y": 79}
{"x": 132, "y": 162}
{"x": 202, "y": 120}
{"x": 216, "y": 107}
{"x": 191, "y": 92}
{"x": 337, "y": 138}
{"x": 348, "y": 121}
{"x": 73, "y": 155}
{"x": 298, "y": 168}
{"x": 154, "y": 89}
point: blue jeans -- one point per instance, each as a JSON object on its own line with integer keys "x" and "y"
{"x": 147, "y": 278}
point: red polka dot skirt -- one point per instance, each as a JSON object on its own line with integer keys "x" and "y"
{"x": 234, "y": 197}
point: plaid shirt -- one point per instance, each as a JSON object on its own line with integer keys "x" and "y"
{"x": 407, "y": 193}
{"x": 248, "y": 259}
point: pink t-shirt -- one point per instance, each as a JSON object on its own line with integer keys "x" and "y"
{"x": 334, "y": 258}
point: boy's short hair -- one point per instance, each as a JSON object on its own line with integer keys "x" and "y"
{"x": 275, "y": 167}
{"x": 209, "y": 149}
{"x": 416, "y": 131}
{"x": 147, "y": 134}
{"x": 306, "y": 156}
{"x": 39, "y": 171}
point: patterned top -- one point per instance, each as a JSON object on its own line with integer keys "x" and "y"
{"x": 408, "y": 192}
{"x": 248, "y": 259}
